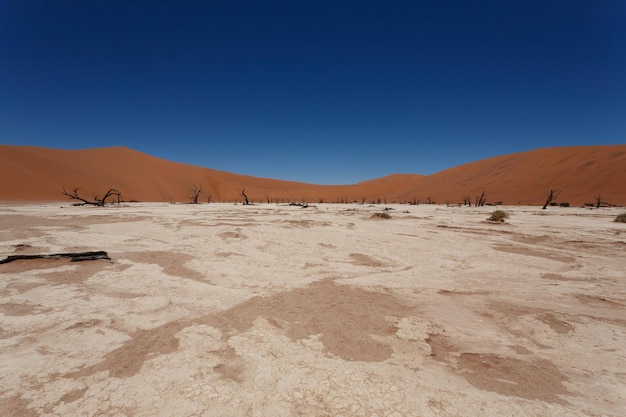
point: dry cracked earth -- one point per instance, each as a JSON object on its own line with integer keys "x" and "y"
{"x": 268, "y": 310}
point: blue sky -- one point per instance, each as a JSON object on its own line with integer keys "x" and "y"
{"x": 318, "y": 91}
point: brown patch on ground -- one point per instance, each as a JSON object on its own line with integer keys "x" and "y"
{"x": 559, "y": 326}
{"x": 365, "y": 260}
{"x": 83, "y": 323}
{"x": 521, "y": 250}
{"x": 345, "y": 316}
{"x": 597, "y": 300}
{"x": 557, "y": 277}
{"x": 232, "y": 366}
{"x": 127, "y": 360}
{"x": 72, "y": 396}
{"x": 172, "y": 263}
{"x": 236, "y": 235}
{"x": 538, "y": 379}
{"x": 301, "y": 224}
{"x": 533, "y": 239}
{"x": 14, "y": 309}
{"x": 440, "y": 347}
{"x": 17, "y": 406}
{"x": 521, "y": 350}
{"x": 80, "y": 271}
{"x": 451, "y": 293}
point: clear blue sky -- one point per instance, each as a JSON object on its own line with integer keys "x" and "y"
{"x": 316, "y": 91}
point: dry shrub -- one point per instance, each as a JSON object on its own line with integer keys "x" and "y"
{"x": 383, "y": 215}
{"x": 498, "y": 216}
{"x": 621, "y": 218}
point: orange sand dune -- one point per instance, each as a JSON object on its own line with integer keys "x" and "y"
{"x": 29, "y": 174}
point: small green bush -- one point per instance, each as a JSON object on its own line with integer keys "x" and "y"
{"x": 498, "y": 216}
{"x": 621, "y": 218}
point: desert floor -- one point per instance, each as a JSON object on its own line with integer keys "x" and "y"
{"x": 267, "y": 310}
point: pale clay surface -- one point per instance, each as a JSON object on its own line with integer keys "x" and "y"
{"x": 267, "y": 310}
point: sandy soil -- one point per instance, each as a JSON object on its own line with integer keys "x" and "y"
{"x": 268, "y": 310}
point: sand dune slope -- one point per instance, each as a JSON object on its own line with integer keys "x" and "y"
{"x": 582, "y": 173}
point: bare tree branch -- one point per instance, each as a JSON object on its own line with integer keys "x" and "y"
{"x": 554, "y": 193}
{"x": 195, "y": 193}
{"x": 245, "y": 197}
{"x": 96, "y": 201}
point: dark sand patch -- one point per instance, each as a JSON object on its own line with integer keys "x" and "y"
{"x": 44, "y": 269}
{"x": 345, "y": 316}
{"x": 72, "y": 396}
{"x": 233, "y": 235}
{"x": 16, "y": 406}
{"x": 14, "y": 309}
{"x": 522, "y": 250}
{"x": 365, "y": 260}
{"x": 537, "y": 379}
{"x": 559, "y": 326}
{"x": 128, "y": 359}
{"x": 172, "y": 263}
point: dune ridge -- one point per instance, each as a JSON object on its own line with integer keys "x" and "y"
{"x": 36, "y": 174}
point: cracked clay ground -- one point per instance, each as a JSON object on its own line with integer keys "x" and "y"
{"x": 267, "y": 310}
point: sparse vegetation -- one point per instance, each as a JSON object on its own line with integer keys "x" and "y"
{"x": 498, "y": 216}
{"x": 564, "y": 204}
{"x": 620, "y": 218}
{"x": 383, "y": 215}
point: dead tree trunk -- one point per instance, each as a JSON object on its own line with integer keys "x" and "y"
{"x": 96, "y": 201}
{"x": 598, "y": 201}
{"x": 245, "y": 197}
{"x": 480, "y": 201}
{"x": 195, "y": 193}
{"x": 72, "y": 256}
{"x": 554, "y": 193}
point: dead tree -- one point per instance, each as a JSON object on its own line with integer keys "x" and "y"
{"x": 96, "y": 201}
{"x": 480, "y": 201}
{"x": 245, "y": 197}
{"x": 554, "y": 193}
{"x": 72, "y": 256}
{"x": 195, "y": 193}
{"x": 598, "y": 201}
{"x": 467, "y": 200}
{"x": 209, "y": 198}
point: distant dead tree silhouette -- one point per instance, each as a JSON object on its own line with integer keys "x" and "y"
{"x": 599, "y": 201}
{"x": 96, "y": 201}
{"x": 480, "y": 201}
{"x": 195, "y": 193}
{"x": 209, "y": 198}
{"x": 245, "y": 197}
{"x": 467, "y": 200}
{"x": 554, "y": 193}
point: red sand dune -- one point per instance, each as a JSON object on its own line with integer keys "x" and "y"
{"x": 31, "y": 174}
